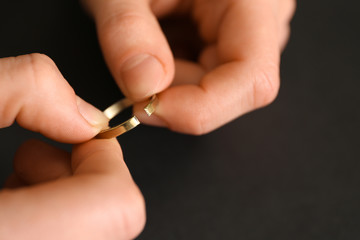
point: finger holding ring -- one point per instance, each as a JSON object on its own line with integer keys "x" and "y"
{"x": 129, "y": 124}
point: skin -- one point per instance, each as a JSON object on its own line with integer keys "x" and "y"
{"x": 237, "y": 69}
{"x": 89, "y": 193}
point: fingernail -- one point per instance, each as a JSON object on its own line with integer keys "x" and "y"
{"x": 91, "y": 114}
{"x": 153, "y": 120}
{"x": 140, "y": 76}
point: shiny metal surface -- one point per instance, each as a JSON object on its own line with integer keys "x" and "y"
{"x": 131, "y": 123}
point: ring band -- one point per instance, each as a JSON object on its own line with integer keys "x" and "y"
{"x": 131, "y": 123}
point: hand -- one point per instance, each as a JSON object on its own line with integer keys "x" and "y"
{"x": 237, "y": 70}
{"x": 88, "y": 194}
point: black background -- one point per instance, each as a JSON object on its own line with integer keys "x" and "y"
{"x": 288, "y": 171}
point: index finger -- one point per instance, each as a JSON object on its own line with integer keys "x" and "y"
{"x": 247, "y": 78}
{"x": 34, "y": 93}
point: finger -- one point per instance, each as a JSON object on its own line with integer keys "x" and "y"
{"x": 247, "y": 78}
{"x": 34, "y": 93}
{"x": 208, "y": 15}
{"x": 209, "y": 58}
{"x": 187, "y": 72}
{"x": 100, "y": 202}
{"x": 36, "y": 162}
{"x": 134, "y": 46}
{"x": 13, "y": 181}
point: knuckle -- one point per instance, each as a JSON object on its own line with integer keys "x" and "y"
{"x": 40, "y": 80}
{"x": 266, "y": 86}
{"x": 40, "y": 62}
{"x": 129, "y": 18}
{"x": 37, "y": 67}
{"x": 39, "y": 57}
{"x": 22, "y": 75}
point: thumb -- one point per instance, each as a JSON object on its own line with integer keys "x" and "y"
{"x": 34, "y": 93}
{"x": 134, "y": 46}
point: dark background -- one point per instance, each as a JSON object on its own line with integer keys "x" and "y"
{"x": 288, "y": 171}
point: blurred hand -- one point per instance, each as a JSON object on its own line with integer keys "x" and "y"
{"x": 237, "y": 69}
{"x": 88, "y": 194}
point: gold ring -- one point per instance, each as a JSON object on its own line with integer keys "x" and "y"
{"x": 131, "y": 123}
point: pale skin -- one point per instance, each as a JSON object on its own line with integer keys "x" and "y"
{"x": 237, "y": 70}
{"x": 89, "y": 193}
